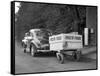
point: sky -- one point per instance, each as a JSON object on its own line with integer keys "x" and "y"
{"x": 17, "y": 5}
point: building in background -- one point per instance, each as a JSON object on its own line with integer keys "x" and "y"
{"x": 91, "y": 24}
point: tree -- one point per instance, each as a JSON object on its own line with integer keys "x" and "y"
{"x": 56, "y": 18}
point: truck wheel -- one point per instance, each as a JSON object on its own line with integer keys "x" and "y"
{"x": 33, "y": 50}
{"x": 60, "y": 57}
{"x": 76, "y": 55}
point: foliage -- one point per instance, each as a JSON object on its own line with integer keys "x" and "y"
{"x": 57, "y": 18}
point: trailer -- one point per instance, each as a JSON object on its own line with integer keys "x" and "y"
{"x": 66, "y": 42}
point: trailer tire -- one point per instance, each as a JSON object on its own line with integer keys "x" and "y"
{"x": 76, "y": 55}
{"x": 60, "y": 57}
{"x": 33, "y": 50}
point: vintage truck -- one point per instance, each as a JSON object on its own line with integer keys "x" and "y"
{"x": 36, "y": 40}
{"x": 39, "y": 40}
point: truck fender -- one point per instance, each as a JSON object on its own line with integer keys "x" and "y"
{"x": 24, "y": 43}
{"x": 33, "y": 42}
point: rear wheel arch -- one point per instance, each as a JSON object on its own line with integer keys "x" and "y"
{"x": 33, "y": 43}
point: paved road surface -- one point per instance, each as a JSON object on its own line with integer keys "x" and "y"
{"x": 46, "y": 62}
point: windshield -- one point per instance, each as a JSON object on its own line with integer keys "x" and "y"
{"x": 42, "y": 34}
{"x": 38, "y": 33}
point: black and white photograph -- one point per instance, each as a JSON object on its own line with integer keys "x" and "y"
{"x": 53, "y": 37}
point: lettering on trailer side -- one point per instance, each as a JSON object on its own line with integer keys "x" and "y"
{"x": 69, "y": 37}
{"x": 58, "y": 38}
{"x": 72, "y": 38}
{"x": 52, "y": 39}
{"x": 77, "y": 38}
{"x": 66, "y": 37}
{"x": 55, "y": 38}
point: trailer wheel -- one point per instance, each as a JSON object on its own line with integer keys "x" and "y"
{"x": 33, "y": 50}
{"x": 60, "y": 57}
{"x": 76, "y": 55}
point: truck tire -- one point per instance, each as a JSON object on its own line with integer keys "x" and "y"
{"x": 76, "y": 55}
{"x": 33, "y": 50}
{"x": 60, "y": 57}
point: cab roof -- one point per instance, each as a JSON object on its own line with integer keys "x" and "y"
{"x": 32, "y": 30}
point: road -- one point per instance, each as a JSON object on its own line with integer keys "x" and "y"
{"x": 46, "y": 62}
